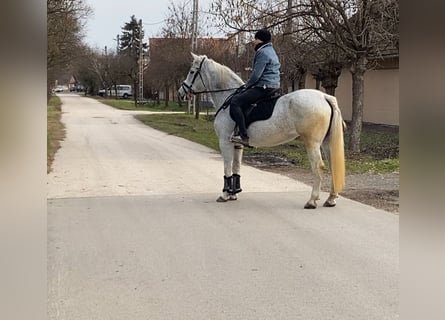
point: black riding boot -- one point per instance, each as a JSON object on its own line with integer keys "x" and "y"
{"x": 238, "y": 116}
{"x": 236, "y": 183}
{"x": 228, "y": 184}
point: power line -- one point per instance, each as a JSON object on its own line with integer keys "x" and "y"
{"x": 154, "y": 23}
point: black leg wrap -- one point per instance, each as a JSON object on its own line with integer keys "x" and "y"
{"x": 228, "y": 184}
{"x": 236, "y": 183}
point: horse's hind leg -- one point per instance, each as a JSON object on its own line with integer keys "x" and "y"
{"x": 330, "y": 201}
{"x": 314, "y": 155}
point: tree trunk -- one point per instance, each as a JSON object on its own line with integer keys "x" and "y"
{"x": 157, "y": 97}
{"x": 49, "y": 85}
{"x": 330, "y": 84}
{"x": 197, "y": 106}
{"x": 330, "y": 90}
{"x": 167, "y": 95}
{"x": 358, "y": 70}
{"x": 285, "y": 85}
{"x": 302, "y": 81}
{"x": 329, "y": 77}
{"x": 317, "y": 84}
{"x": 135, "y": 93}
{"x": 318, "y": 76}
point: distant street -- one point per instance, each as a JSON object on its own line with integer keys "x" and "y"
{"x": 134, "y": 232}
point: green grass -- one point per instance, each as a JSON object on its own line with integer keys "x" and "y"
{"x": 379, "y": 150}
{"x": 128, "y": 104}
{"x": 379, "y": 146}
{"x": 185, "y": 126}
{"x": 55, "y": 129}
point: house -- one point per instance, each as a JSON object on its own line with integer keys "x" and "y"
{"x": 381, "y": 92}
{"x": 72, "y": 83}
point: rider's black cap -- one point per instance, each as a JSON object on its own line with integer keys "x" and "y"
{"x": 263, "y": 35}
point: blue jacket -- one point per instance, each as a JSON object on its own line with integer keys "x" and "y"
{"x": 266, "y": 68}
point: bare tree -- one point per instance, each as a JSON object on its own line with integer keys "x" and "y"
{"x": 65, "y": 22}
{"x": 169, "y": 62}
{"x": 97, "y": 69}
{"x": 249, "y": 15}
{"x": 326, "y": 64}
{"x": 86, "y": 73}
{"x": 364, "y": 31}
{"x": 107, "y": 67}
{"x": 178, "y": 23}
{"x": 170, "y": 54}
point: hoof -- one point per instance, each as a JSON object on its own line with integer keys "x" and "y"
{"x": 233, "y": 197}
{"x": 329, "y": 204}
{"x": 310, "y": 206}
{"x": 221, "y": 199}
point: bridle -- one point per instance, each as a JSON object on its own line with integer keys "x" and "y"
{"x": 189, "y": 88}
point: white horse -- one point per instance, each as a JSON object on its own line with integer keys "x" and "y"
{"x": 309, "y": 114}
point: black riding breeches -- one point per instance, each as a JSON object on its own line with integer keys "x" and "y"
{"x": 243, "y": 100}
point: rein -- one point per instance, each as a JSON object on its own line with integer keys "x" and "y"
{"x": 198, "y": 73}
{"x": 211, "y": 91}
{"x": 226, "y": 102}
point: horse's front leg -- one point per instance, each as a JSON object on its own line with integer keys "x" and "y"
{"x": 227, "y": 152}
{"x": 236, "y": 166}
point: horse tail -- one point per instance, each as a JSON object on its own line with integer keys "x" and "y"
{"x": 336, "y": 145}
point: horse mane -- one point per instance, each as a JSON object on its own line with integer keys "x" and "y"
{"x": 224, "y": 73}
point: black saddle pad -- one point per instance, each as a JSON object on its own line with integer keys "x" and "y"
{"x": 261, "y": 110}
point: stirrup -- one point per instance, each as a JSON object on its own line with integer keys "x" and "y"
{"x": 240, "y": 140}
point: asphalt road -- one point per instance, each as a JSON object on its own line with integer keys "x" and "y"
{"x": 134, "y": 232}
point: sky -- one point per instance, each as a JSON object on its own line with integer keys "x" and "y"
{"x": 109, "y": 16}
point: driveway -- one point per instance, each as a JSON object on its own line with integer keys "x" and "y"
{"x": 134, "y": 232}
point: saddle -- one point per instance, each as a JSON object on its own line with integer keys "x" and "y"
{"x": 262, "y": 109}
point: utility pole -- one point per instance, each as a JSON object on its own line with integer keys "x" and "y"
{"x": 289, "y": 21}
{"x": 107, "y": 72}
{"x": 141, "y": 63}
{"x": 287, "y": 40}
{"x": 194, "y": 41}
{"x": 195, "y": 25}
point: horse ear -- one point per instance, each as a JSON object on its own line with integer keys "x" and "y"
{"x": 194, "y": 56}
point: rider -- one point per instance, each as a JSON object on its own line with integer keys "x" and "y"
{"x": 264, "y": 80}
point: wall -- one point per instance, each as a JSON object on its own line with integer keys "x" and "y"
{"x": 381, "y": 95}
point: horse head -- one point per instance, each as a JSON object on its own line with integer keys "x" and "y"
{"x": 194, "y": 82}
